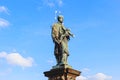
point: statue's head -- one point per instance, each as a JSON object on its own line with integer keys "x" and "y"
{"x": 60, "y": 18}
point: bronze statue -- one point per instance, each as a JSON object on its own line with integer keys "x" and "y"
{"x": 61, "y": 36}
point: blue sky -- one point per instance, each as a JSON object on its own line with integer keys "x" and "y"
{"x": 26, "y": 47}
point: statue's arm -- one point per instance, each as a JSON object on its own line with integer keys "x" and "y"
{"x": 67, "y": 32}
{"x": 55, "y": 34}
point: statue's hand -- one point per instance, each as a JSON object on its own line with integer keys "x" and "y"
{"x": 58, "y": 41}
{"x": 73, "y": 35}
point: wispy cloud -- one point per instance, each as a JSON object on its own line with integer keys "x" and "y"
{"x": 98, "y": 76}
{"x": 17, "y": 59}
{"x": 60, "y": 2}
{"x": 85, "y": 70}
{"x": 50, "y": 3}
{"x": 3, "y": 23}
{"x": 50, "y": 61}
{"x": 53, "y": 3}
{"x": 3, "y": 9}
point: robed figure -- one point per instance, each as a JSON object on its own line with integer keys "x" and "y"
{"x": 61, "y": 36}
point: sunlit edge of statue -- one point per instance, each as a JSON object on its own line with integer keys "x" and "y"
{"x": 61, "y": 36}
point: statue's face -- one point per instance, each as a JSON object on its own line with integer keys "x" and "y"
{"x": 60, "y": 19}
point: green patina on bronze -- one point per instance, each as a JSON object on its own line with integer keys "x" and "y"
{"x": 62, "y": 71}
{"x": 61, "y": 36}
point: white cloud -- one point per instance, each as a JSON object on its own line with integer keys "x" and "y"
{"x": 53, "y": 3}
{"x": 17, "y": 59}
{"x": 3, "y": 54}
{"x": 81, "y": 78}
{"x": 4, "y": 10}
{"x": 98, "y": 76}
{"x": 3, "y": 23}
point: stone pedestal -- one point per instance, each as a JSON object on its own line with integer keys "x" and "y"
{"x": 62, "y": 74}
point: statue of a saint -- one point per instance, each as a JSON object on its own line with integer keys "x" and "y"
{"x": 61, "y": 36}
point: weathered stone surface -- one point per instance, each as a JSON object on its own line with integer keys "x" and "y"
{"x": 62, "y": 74}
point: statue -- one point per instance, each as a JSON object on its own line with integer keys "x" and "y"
{"x": 61, "y": 36}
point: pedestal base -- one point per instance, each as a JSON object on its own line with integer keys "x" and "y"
{"x": 62, "y": 74}
{"x": 62, "y": 66}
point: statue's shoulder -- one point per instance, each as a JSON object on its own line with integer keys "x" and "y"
{"x": 55, "y": 25}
